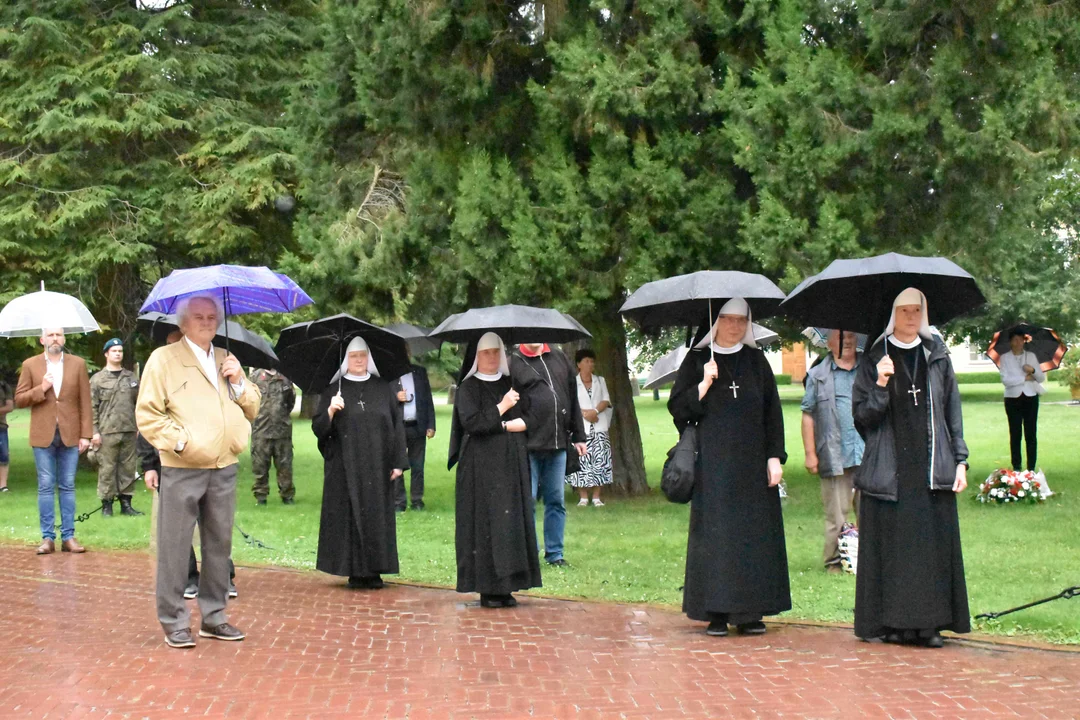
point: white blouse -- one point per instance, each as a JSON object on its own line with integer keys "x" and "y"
{"x": 599, "y": 395}
{"x": 1013, "y": 376}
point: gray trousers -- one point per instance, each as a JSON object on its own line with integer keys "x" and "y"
{"x": 187, "y": 495}
{"x": 838, "y": 497}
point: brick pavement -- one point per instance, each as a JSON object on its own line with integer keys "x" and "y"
{"x": 80, "y": 640}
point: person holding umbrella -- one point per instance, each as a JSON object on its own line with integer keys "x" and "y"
{"x": 1022, "y": 378}
{"x": 495, "y": 536}
{"x": 906, "y": 405}
{"x": 195, "y": 406}
{"x": 736, "y": 558}
{"x": 361, "y": 437}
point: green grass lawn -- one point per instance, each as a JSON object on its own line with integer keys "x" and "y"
{"x": 633, "y": 550}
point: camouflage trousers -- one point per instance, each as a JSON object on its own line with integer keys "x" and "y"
{"x": 116, "y": 465}
{"x": 280, "y": 451}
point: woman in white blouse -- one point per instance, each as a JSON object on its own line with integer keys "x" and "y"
{"x": 1022, "y": 377}
{"x": 596, "y": 410}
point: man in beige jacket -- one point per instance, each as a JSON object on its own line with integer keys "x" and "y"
{"x": 196, "y": 407}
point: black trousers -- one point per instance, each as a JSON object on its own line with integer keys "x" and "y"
{"x": 1023, "y": 414}
{"x": 416, "y": 442}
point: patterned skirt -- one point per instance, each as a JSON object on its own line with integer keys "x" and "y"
{"x": 595, "y": 464}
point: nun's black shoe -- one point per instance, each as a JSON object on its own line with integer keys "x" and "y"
{"x": 752, "y": 628}
{"x": 894, "y": 638}
{"x": 934, "y": 641}
{"x": 717, "y": 629}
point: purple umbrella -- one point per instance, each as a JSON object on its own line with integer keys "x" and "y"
{"x": 240, "y": 289}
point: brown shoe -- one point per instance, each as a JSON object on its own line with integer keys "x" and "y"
{"x": 47, "y": 547}
{"x": 72, "y": 545}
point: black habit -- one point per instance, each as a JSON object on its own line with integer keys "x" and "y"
{"x": 361, "y": 446}
{"x": 911, "y": 569}
{"x": 495, "y": 522}
{"x": 736, "y": 557}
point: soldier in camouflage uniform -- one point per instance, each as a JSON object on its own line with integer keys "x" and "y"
{"x": 271, "y": 436}
{"x": 113, "y": 391}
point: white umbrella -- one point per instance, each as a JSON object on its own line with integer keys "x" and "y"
{"x": 28, "y": 315}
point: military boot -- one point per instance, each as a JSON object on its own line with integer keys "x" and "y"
{"x": 106, "y": 508}
{"x": 125, "y": 506}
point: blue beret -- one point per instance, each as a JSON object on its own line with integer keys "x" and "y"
{"x": 113, "y": 343}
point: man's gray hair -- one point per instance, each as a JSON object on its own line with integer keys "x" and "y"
{"x": 183, "y": 307}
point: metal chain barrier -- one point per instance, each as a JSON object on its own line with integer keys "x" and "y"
{"x": 1065, "y": 594}
{"x": 253, "y": 541}
{"x": 84, "y": 516}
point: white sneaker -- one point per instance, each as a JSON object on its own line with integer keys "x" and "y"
{"x": 583, "y": 502}
{"x": 597, "y": 502}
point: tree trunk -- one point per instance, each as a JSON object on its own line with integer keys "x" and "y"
{"x": 609, "y": 342}
{"x": 308, "y": 403}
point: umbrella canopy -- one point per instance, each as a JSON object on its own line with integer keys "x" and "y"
{"x": 1044, "y": 342}
{"x": 250, "y": 349}
{"x": 513, "y": 323}
{"x": 858, "y": 294}
{"x": 311, "y": 352}
{"x": 689, "y": 299}
{"x": 240, "y": 289}
{"x": 416, "y": 336}
{"x": 667, "y": 367}
{"x": 28, "y": 315}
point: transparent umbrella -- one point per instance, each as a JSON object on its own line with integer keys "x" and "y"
{"x": 28, "y": 315}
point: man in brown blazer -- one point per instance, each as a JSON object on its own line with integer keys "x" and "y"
{"x": 56, "y": 388}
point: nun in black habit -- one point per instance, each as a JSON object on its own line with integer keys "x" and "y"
{"x": 362, "y": 440}
{"x": 906, "y": 405}
{"x": 736, "y": 557}
{"x": 494, "y": 518}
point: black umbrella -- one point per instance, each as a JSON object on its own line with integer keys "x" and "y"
{"x": 1044, "y": 342}
{"x": 311, "y": 352}
{"x": 690, "y": 300}
{"x": 513, "y": 323}
{"x": 416, "y": 336}
{"x": 250, "y": 349}
{"x": 858, "y": 294}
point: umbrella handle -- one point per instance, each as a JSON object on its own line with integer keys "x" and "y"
{"x": 712, "y": 353}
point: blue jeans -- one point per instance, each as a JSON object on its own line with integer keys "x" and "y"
{"x": 56, "y": 470}
{"x": 548, "y": 472}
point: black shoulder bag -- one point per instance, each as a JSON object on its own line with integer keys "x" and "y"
{"x": 677, "y": 478}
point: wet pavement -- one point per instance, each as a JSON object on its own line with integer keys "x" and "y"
{"x": 80, "y": 640}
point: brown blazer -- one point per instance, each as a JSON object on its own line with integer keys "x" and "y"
{"x": 71, "y": 411}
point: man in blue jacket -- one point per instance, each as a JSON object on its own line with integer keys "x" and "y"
{"x": 833, "y": 446}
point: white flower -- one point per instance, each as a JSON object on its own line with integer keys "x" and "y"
{"x": 1020, "y": 494}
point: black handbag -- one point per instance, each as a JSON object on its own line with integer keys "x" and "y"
{"x": 677, "y": 478}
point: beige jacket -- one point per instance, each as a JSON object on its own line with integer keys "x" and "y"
{"x": 178, "y": 403}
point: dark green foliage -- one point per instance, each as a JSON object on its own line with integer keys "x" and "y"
{"x": 133, "y": 141}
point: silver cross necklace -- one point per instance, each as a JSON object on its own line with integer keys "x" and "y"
{"x": 914, "y": 391}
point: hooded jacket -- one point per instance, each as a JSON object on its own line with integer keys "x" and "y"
{"x": 877, "y": 476}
